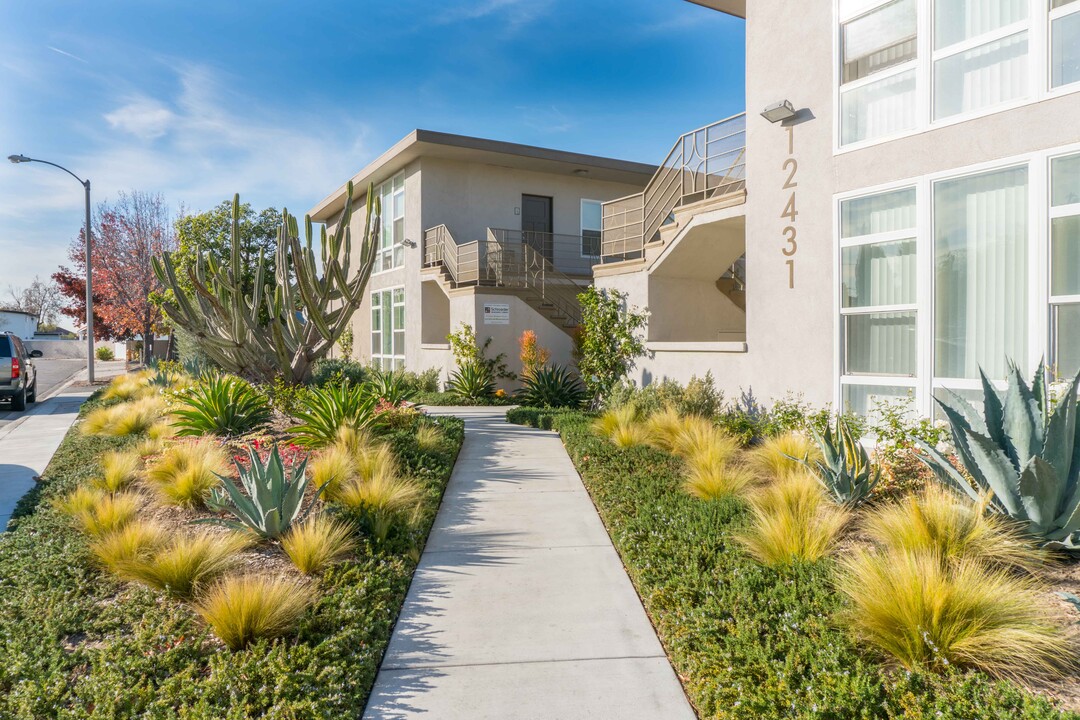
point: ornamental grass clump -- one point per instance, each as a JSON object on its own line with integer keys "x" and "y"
{"x": 130, "y": 418}
{"x": 246, "y": 608}
{"x": 621, "y": 426}
{"x": 792, "y": 521}
{"x": 698, "y": 436}
{"x": 929, "y": 613}
{"x": 128, "y": 387}
{"x": 782, "y": 455}
{"x": 380, "y": 503}
{"x": 428, "y": 437}
{"x": 118, "y": 470}
{"x": 317, "y": 543}
{"x": 713, "y": 481}
{"x": 100, "y": 516}
{"x": 938, "y": 520}
{"x": 187, "y": 472}
{"x": 663, "y": 427}
{"x": 136, "y": 540}
{"x": 186, "y": 561}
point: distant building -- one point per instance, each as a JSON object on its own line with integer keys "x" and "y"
{"x": 23, "y": 324}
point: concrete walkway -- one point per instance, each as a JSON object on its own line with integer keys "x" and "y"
{"x": 520, "y": 608}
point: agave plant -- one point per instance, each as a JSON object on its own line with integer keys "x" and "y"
{"x": 552, "y": 386}
{"x": 272, "y": 498}
{"x": 391, "y": 386}
{"x": 472, "y": 382}
{"x": 1021, "y": 453}
{"x": 325, "y": 411}
{"x": 221, "y": 405}
{"x": 844, "y": 468}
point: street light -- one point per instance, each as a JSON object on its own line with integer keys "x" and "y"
{"x": 16, "y": 159}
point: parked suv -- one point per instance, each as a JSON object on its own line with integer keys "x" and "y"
{"x": 18, "y": 376}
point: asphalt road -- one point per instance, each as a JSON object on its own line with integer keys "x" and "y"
{"x": 51, "y": 374}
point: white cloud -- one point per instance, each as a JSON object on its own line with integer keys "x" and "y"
{"x": 66, "y": 54}
{"x": 516, "y": 12}
{"x": 143, "y": 118}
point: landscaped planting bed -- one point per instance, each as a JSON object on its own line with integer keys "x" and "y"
{"x": 746, "y": 639}
{"x": 77, "y": 640}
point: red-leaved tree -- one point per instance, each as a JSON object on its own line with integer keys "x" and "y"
{"x": 127, "y": 234}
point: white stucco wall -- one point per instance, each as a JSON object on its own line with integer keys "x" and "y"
{"x": 22, "y": 325}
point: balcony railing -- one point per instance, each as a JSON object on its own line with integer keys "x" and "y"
{"x": 703, "y": 164}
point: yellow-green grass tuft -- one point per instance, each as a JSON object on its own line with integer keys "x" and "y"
{"x": 792, "y": 520}
{"x": 186, "y": 472}
{"x": 245, "y": 608}
{"x": 713, "y": 481}
{"x": 663, "y": 427}
{"x": 940, "y": 521}
{"x": 130, "y": 418}
{"x": 351, "y": 440}
{"x": 332, "y": 467}
{"x": 136, "y": 540}
{"x": 79, "y": 501}
{"x": 781, "y": 455}
{"x": 109, "y": 513}
{"x": 923, "y": 611}
{"x": 317, "y": 542}
{"x": 698, "y": 436}
{"x": 381, "y": 502}
{"x": 118, "y": 470}
{"x": 616, "y": 421}
{"x": 375, "y": 460}
{"x": 128, "y": 387}
{"x": 627, "y": 436}
{"x": 428, "y": 437}
{"x": 186, "y": 561}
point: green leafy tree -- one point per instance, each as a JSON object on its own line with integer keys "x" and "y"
{"x": 608, "y": 340}
{"x": 468, "y": 351}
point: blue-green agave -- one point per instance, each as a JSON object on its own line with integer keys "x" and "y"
{"x": 273, "y": 496}
{"x": 844, "y": 469}
{"x": 1020, "y": 453}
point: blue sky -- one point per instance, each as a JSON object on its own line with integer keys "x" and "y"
{"x": 282, "y": 101}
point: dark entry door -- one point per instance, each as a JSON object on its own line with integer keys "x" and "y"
{"x": 536, "y": 224}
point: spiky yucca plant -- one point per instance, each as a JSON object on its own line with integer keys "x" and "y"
{"x": 472, "y": 383}
{"x": 220, "y": 405}
{"x": 245, "y": 608}
{"x": 324, "y": 412}
{"x": 552, "y": 386}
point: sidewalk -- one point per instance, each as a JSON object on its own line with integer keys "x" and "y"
{"x": 520, "y": 608}
{"x": 27, "y": 446}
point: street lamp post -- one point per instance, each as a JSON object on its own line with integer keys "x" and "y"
{"x": 89, "y": 294}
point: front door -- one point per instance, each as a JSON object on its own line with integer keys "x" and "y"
{"x": 536, "y": 224}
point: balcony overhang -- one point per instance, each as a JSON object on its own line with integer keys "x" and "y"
{"x": 731, "y": 7}
{"x": 707, "y": 247}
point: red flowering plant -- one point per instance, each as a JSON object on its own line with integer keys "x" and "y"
{"x": 291, "y": 453}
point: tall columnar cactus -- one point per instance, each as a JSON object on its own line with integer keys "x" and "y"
{"x": 278, "y": 328}
{"x": 1020, "y": 453}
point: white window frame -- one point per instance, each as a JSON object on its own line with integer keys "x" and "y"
{"x": 581, "y": 224}
{"x": 1039, "y": 299}
{"x": 387, "y": 214}
{"x": 1055, "y": 301}
{"x": 1037, "y": 25}
{"x": 396, "y": 359}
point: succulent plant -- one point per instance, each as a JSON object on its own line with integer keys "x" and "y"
{"x": 1019, "y": 452}
{"x": 324, "y": 411}
{"x": 552, "y": 386}
{"x": 844, "y": 468}
{"x": 472, "y": 382}
{"x": 272, "y": 498}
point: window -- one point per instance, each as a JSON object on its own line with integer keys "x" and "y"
{"x": 878, "y": 51}
{"x": 1065, "y": 265}
{"x": 388, "y": 328}
{"x": 1064, "y": 42}
{"x": 878, "y": 312}
{"x": 591, "y": 224}
{"x": 392, "y": 235}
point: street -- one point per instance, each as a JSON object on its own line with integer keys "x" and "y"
{"x": 51, "y": 374}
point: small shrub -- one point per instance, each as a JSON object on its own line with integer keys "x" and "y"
{"x": 118, "y": 470}
{"x": 792, "y": 521}
{"x": 246, "y": 608}
{"x": 467, "y": 350}
{"x": 552, "y": 387}
{"x": 317, "y": 543}
{"x": 532, "y": 354}
{"x": 926, "y": 613}
{"x": 285, "y": 397}
{"x": 422, "y": 382}
{"x": 609, "y": 339}
{"x": 104, "y": 353}
{"x": 937, "y": 520}
{"x": 220, "y": 405}
{"x": 782, "y": 455}
{"x": 472, "y": 383}
{"x": 380, "y": 503}
{"x": 130, "y": 418}
{"x": 135, "y": 540}
{"x": 700, "y": 397}
{"x": 325, "y": 411}
{"x": 711, "y": 481}
{"x": 185, "y": 562}
{"x": 272, "y": 498}
{"x": 336, "y": 371}
{"x": 109, "y": 513}
{"x": 186, "y": 473}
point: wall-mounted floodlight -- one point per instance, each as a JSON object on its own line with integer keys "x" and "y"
{"x": 779, "y": 111}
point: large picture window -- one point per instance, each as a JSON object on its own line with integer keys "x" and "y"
{"x": 1064, "y": 42}
{"x": 392, "y": 235}
{"x": 388, "y": 328}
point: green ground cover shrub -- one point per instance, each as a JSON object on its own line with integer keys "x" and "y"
{"x": 77, "y": 643}
{"x": 749, "y": 641}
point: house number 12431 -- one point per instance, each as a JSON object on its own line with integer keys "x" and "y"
{"x": 791, "y": 244}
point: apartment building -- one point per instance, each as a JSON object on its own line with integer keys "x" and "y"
{"x": 492, "y": 234}
{"x": 898, "y": 207}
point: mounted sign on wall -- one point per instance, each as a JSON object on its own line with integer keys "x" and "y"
{"x": 496, "y": 314}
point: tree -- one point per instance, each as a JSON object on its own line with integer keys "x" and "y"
{"x": 128, "y": 234}
{"x": 40, "y": 298}
{"x": 608, "y": 342}
{"x": 73, "y": 287}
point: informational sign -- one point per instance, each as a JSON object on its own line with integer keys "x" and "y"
{"x": 496, "y": 314}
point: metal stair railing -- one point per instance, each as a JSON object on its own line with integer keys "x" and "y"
{"x": 703, "y": 163}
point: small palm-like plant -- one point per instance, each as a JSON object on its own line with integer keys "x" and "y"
{"x": 272, "y": 498}
{"x": 792, "y": 521}
{"x": 246, "y": 608}
{"x": 181, "y": 565}
{"x": 844, "y": 469}
{"x": 220, "y": 405}
{"x": 552, "y": 386}
{"x": 317, "y": 542}
{"x": 325, "y": 411}
{"x": 472, "y": 383}
{"x": 390, "y": 385}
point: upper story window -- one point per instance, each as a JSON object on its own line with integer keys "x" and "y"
{"x": 392, "y": 236}
{"x": 906, "y": 65}
{"x": 591, "y": 225}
